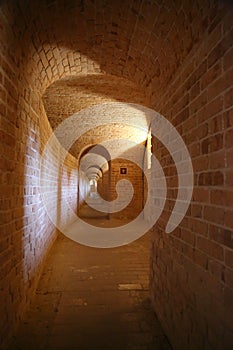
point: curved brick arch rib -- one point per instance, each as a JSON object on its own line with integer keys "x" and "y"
{"x": 98, "y": 156}
{"x": 69, "y": 95}
{"x": 95, "y": 156}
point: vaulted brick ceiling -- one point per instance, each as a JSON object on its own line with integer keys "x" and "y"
{"x": 97, "y": 51}
{"x": 68, "y": 96}
{"x": 91, "y": 52}
{"x": 144, "y": 42}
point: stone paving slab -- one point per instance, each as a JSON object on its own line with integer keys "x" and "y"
{"x": 91, "y": 299}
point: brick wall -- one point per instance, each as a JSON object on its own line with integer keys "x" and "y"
{"x": 107, "y": 187}
{"x": 27, "y": 233}
{"x": 192, "y": 268}
{"x": 58, "y": 183}
{"x": 120, "y": 144}
{"x": 84, "y": 188}
{"x": 179, "y": 53}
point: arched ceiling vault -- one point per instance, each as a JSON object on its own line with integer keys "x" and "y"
{"x": 144, "y": 42}
{"x": 95, "y": 162}
{"x": 70, "y": 95}
{"x": 126, "y": 51}
{"x": 115, "y": 131}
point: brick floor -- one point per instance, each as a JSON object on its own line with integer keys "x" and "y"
{"x": 90, "y": 298}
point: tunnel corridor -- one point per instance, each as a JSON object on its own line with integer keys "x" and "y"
{"x": 116, "y": 174}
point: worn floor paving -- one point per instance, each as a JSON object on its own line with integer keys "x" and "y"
{"x": 90, "y": 298}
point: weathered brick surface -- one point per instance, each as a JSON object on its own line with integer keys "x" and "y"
{"x": 200, "y": 253}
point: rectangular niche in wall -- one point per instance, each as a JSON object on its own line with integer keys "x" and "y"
{"x": 123, "y": 171}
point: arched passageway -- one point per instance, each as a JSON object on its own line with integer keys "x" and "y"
{"x": 64, "y": 59}
{"x": 95, "y": 161}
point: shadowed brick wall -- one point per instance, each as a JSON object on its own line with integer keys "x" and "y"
{"x": 84, "y": 188}
{"x": 134, "y": 176}
{"x": 192, "y": 269}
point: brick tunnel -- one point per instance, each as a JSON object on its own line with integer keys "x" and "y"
{"x": 116, "y": 174}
